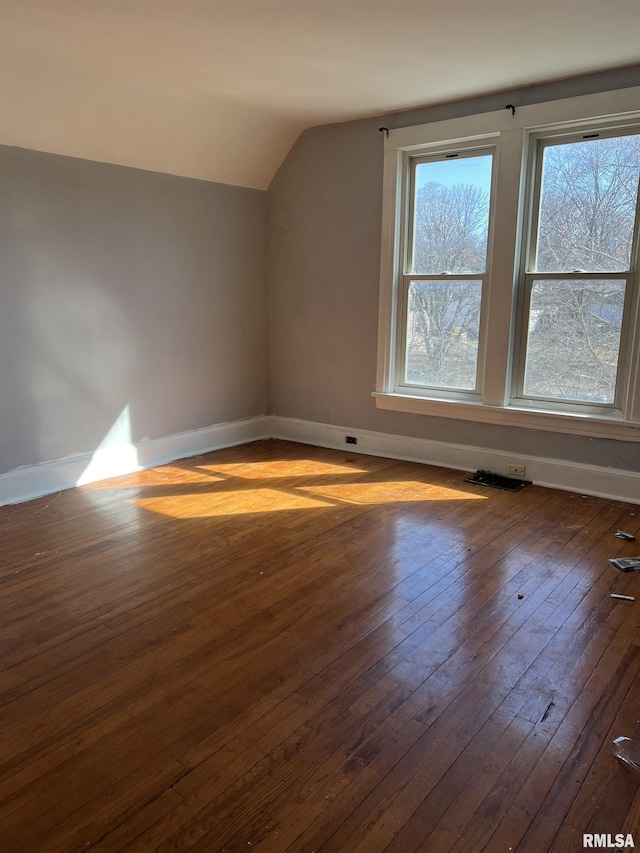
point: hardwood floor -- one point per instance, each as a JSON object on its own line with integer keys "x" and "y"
{"x": 286, "y": 648}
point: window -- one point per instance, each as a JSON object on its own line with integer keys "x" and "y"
{"x": 509, "y": 285}
{"x": 446, "y": 270}
{"x": 580, "y": 267}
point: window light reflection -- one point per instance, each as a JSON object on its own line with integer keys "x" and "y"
{"x": 250, "y": 501}
{"x": 281, "y": 469}
{"x": 166, "y": 476}
{"x": 246, "y": 501}
{"x": 390, "y": 492}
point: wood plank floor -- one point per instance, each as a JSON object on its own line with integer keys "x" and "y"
{"x": 286, "y": 648}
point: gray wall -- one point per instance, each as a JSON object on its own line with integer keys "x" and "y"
{"x": 124, "y": 288}
{"x": 324, "y": 257}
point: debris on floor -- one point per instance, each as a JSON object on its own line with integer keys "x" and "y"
{"x": 622, "y": 597}
{"x": 622, "y": 535}
{"x": 630, "y": 564}
{"x": 548, "y": 710}
{"x": 628, "y": 751}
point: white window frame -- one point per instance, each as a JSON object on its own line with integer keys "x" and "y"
{"x": 513, "y": 137}
{"x": 407, "y": 276}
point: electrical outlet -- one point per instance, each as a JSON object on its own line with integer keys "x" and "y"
{"x": 516, "y": 470}
{"x": 350, "y": 439}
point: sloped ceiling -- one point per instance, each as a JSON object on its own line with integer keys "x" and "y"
{"x": 221, "y": 89}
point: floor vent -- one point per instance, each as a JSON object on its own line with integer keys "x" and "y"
{"x": 508, "y": 484}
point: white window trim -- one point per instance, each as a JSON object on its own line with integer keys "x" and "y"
{"x": 511, "y": 134}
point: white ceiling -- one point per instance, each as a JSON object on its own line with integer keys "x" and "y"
{"x": 221, "y": 89}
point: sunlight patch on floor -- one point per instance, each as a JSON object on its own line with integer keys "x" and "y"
{"x": 281, "y": 469}
{"x": 243, "y": 502}
{"x": 248, "y": 501}
{"x": 167, "y": 476}
{"x": 391, "y": 492}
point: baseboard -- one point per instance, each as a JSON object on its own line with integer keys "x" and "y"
{"x": 557, "y": 474}
{"x": 34, "y": 481}
{"x": 24, "y": 484}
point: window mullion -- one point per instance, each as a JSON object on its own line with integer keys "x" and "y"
{"x": 447, "y": 277}
{"x": 499, "y": 307}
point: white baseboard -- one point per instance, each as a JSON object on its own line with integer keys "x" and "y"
{"x": 555, "y": 473}
{"x": 34, "y": 481}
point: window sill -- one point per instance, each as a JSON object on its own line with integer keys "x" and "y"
{"x": 613, "y": 427}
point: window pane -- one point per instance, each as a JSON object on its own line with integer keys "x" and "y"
{"x": 588, "y": 204}
{"x": 451, "y": 215}
{"x": 443, "y": 322}
{"x": 574, "y": 340}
